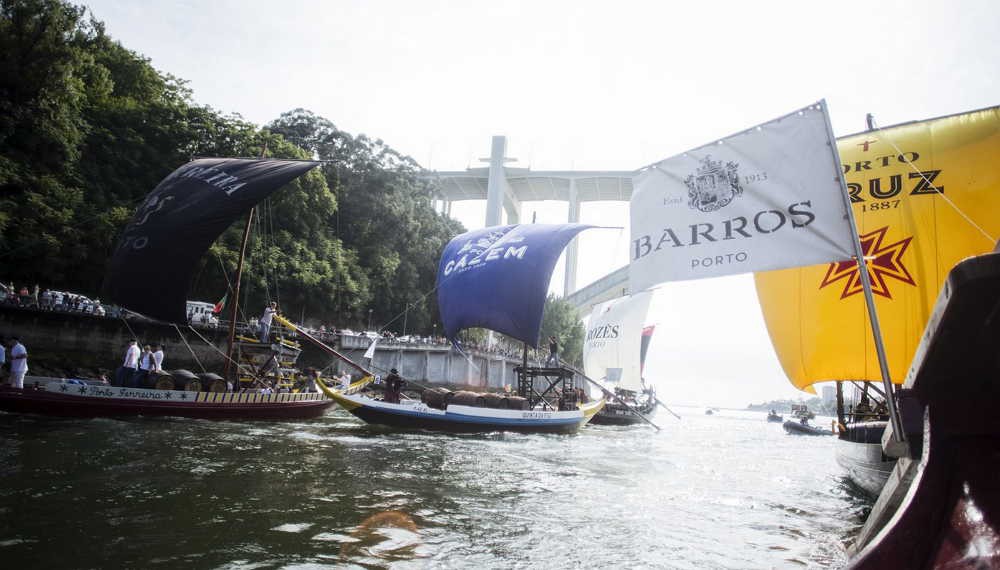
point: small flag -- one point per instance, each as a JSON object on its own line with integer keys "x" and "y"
{"x": 370, "y": 353}
{"x": 220, "y": 305}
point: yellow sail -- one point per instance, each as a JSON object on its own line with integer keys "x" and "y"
{"x": 925, "y": 196}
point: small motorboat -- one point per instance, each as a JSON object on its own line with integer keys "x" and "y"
{"x": 773, "y": 416}
{"x": 803, "y": 428}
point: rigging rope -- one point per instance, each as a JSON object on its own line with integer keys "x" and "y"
{"x": 191, "y": 350}
{"x": 936, "y": 189}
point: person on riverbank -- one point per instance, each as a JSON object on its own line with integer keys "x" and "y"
{"x": 129, "y": 365}
{"x": 265, "y": 320}
{"x": 18, "y": 362}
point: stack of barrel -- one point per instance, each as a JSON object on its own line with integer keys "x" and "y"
{"x": 441, "y": 398}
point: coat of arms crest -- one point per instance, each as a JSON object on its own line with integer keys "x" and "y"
{"x": 714, "y": 185}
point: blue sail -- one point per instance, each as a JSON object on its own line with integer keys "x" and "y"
{"x": 498, "y": 277}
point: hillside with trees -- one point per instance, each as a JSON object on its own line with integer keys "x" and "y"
{"x": 89, "y": 127}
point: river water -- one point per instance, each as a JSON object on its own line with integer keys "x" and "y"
{"x": 722, "y": 491}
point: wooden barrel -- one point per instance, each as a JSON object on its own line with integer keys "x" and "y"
{"x": 466, "y": 398}
{"x": 186, "y": 380}
{"x": 517, "y": 403}
{"x": 212, "y": 382}
{"x": 161, "y": 381}
{"x": 436, "y": 397}
{"x": 492, "y": 400}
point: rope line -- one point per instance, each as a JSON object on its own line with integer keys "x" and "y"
{"x": 936, "y": 189}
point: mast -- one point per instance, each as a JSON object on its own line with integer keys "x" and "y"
{"x": 859, "y": 254}
{"x": 236, "y": 302}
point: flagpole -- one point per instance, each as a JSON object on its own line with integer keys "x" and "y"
{"x": 897, "y": 424}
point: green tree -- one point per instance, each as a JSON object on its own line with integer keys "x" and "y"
{"x": 562, "y": 321}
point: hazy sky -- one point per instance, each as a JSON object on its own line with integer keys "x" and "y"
{"x": 587, "y": 86}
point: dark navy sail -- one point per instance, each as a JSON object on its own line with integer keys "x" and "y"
{"x": 497, "y": 278}
{"x": 151, "y": 270}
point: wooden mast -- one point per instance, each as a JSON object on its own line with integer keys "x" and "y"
{"x": 236, "y": 304}
{"x": 228, "y": 371}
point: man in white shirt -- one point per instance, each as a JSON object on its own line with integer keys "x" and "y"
{"x": 265, "y": 320}
{"x": 145, "y": 365}
{"x": 158, "y": 358}
{"x": 18, "y": 362}
{"x": 129, "y": 365}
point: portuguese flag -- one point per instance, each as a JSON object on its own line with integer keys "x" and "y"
{"x": 220, "y": 305}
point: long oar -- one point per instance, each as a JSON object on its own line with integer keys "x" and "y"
{"x": 612, "y": 394}
{"x": 664, "y": 406}
{"x": 622, "y": 402}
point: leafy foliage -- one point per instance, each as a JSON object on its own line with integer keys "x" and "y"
{"x": 89, "y": 127}
{"x": 562, "y": 321}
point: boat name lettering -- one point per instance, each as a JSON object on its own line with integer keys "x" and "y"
{"x": 141, "y": 394}
{"x": 536, "y": 415}
{"x": 214, "y": 177}
{"x": 795, "y": 216}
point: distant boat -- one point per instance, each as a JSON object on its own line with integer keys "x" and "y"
{"x": 803, "y": 428}
{"x": 614, "y": 352}
{"x": 773, "y": 416}
{"x": 495, "y": 278}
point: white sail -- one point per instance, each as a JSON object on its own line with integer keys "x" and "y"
{"x": 612, "y": 347}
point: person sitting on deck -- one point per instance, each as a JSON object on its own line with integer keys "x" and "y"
{"x": 393, "y": 386}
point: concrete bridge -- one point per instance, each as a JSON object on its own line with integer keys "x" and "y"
{"x": 505, "y": 188}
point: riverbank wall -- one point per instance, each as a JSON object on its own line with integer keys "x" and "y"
{"x": 80, "y": 345}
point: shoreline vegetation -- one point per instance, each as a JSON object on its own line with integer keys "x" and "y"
{"x": 89, "y": 127}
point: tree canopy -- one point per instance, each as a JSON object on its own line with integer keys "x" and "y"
{"x": 89, "y": 127}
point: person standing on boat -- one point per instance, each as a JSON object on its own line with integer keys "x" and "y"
{"x": 129, "y": 365}
{"x": 158, "y": 358}
{"x": 18, "y": 362}
{"x": 145, "y": 366}
{"x": 393, "y": 386}
{"x": 265, "y": 320}
{"x": 553, "y": 352}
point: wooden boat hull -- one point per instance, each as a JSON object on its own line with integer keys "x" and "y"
{"x": 463, "y": 419}
{"x": 612, "y": 415}
{"x": 859, "y": 452}
{"x": 796, "y": 428}
{"x": 949, "y": 516}
{"x": 81, "y": 400}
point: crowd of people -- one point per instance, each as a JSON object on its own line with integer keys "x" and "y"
{"x": 137, "y": 365}
{"x": 51, "y": 300}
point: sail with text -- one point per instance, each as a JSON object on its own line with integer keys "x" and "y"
{"x": 769, "y": 197}
{"x": 151, "y": 270}
{"x": 498, "y": 277}
{"x": 926, "y": 195}
{"x": 614, "y": 342}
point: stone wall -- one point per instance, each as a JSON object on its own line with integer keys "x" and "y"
{"x": 83, "y": 345}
